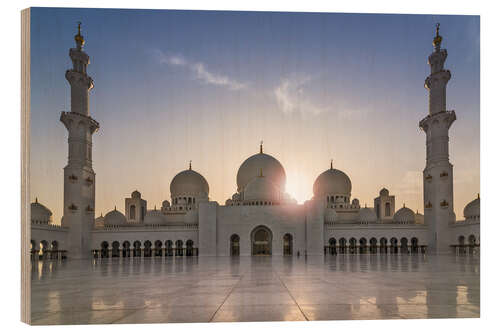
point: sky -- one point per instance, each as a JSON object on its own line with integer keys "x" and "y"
{"x": 208, "y": 86}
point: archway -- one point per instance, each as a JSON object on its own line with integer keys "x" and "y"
{"x": 126, "y": 249}
{"x": 352, "y": 245}
{"x": 54, "y": 250}
{"x": 189, "y": 248}
{"x": 362, "y": 245}
{"x": 104, "y": 249}
{"x": 179, "y": 251}
{"x": 472, "y": 243}
{"x": 414, "y": 245}
{"x": 333, "y": 246}
{"x": 158, "y": 248}
{"x": 373, "y": 245}
{"x": 383, "y": 245}
{"x": 394, "y": 245}
{"x": 461, "y": 244}
{"x": 147, "y": 248}
{"x": 342, "y": 245}
{"x": 115, "y": 249}
{"x": 137, "y": 248}
{"x": 169, "y": 246}
{"x": 234, "y": 249}
{"x": 262, "y": 240}
{"x": 404, "y": 245}
{"x": 287, "y": 245}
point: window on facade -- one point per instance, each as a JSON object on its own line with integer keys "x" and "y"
{"x": 132, "y": 212}
{"x": 387, "y": 209}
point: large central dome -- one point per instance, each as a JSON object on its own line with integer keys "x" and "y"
{"x": 188, "y": 182}
{"x": 332, "y": 182}
{"x": 271, "y": 168}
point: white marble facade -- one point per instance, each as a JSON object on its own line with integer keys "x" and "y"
{"x": 260, "y": 218}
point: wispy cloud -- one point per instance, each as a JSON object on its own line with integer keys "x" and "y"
{"x": 290, "y": 96}
{"x": 200, "y": 71}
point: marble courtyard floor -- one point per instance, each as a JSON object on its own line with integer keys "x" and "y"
{"x": 201, "y": 289}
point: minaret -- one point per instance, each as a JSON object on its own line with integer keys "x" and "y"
{"x": 79, "y": 177}
{"x": 438, "y": 172}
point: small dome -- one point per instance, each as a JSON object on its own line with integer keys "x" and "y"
{"x": 419, "y": 218}
{"x": 384, "y": 192}
{"x": 332, "y": 181}
{"x": 154, "y": 216}
{"x": 136, "y": 195}
{"x": 99, "y": 222}
{"x": 40, "y": 213}
{"x": 405, "y": 214}
{"x": 473, "y": 208}
{"x": 331, "y": 215}
{"x": 367, "y": 215}
{"x": 271, "y": 168}
{"x": 115, "y": 217}
{"x": 260, "y": 188}
{"x": 188, "y": 182}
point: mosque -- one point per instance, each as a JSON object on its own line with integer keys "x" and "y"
{"x": 260, "y": 218}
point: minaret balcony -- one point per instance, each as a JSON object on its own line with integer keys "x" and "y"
{"x": 440, "y": 118}
{"x": 73, "y": 208}
{"x": 72, "y": 178}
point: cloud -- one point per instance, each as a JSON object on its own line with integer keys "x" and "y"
{"x": 200, "y": 71}
{"x": 290, "y": 97}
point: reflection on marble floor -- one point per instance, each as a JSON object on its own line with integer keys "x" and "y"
{"x": 159, "y": 290}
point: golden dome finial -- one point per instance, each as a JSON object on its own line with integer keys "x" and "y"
{"x": 438, "y": 39}
{"x": 261, "y": 143}
{"x": 331, "y": 164}
{"x": 478, "y": 195}
{"x": 190, "y": 164}
{"x": 78, "y": 37}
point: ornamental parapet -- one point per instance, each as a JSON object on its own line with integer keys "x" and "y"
{"x": 147, "y": 227}
{"x": 447, "y": 116}
{"x": 67, "y": 115}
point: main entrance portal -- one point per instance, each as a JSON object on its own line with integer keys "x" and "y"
{"x": 262, "y": 240}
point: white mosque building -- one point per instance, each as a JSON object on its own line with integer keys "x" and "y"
{"x": 260, "y": 218}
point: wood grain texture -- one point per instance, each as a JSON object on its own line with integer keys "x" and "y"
{"x": 25, "y": 168}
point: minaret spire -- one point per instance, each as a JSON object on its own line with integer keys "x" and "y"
{"x": 438, "y": 172}
{"x": 79, "y": 177}
{"x": 80, "y": 41}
